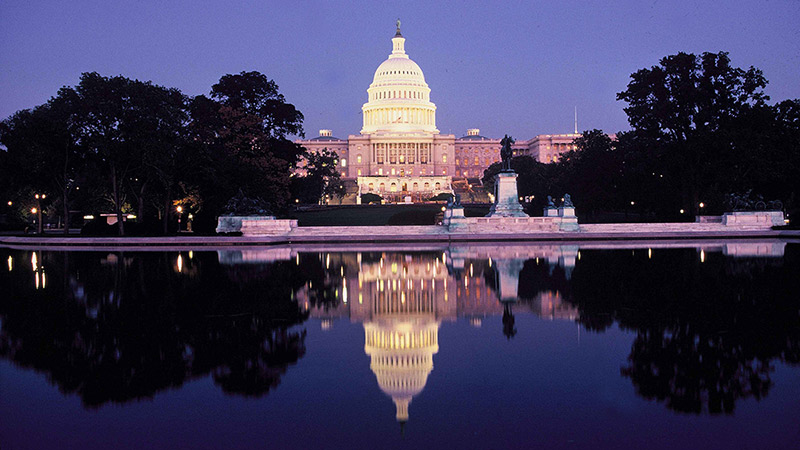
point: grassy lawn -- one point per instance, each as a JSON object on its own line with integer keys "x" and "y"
{"x": 376, "y": 215}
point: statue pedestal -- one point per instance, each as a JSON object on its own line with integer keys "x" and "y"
{"x": 506, "y": 203}
{"x": 551, "y": 212}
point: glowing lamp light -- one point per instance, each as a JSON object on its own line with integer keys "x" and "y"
{"x": 131, "y": 216}
{"x": 179, "y": 209}
{"x": 682, "y": 211}
{"x": 702, "y": 205}
{"x": 36, "y": 196}
{"x": 10, "y": 203}
{"x": 633, "y": 203}
{"x": 33, "y": 210}
{"x": 88, "y": 217}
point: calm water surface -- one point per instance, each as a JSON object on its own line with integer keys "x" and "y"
{"x": 689, "y": 345}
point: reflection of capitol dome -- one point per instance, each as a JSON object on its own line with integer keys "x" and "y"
{"x": 401, "y": 354}
{"x": 399, "y": 97}
{"x": 402, "y": 299}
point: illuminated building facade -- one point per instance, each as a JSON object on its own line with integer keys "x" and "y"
{"x": 400, "y": 152}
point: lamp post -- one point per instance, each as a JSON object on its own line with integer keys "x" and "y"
{"x": 38, "y": 212}
{"x": 180, "y": 213}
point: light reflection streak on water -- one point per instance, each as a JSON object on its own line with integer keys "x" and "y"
{"x": 10, "y": 263}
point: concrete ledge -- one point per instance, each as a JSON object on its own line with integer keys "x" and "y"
{"x": 765, "y": 219}
{"x": 336, "y": 236}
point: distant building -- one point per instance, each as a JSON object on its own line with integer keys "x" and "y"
{"x": 399, "y": 150}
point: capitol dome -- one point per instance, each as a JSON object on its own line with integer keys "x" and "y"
{"x": 399, "y": 97}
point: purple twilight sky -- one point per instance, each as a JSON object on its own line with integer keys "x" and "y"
{"x": 516, "y": 67}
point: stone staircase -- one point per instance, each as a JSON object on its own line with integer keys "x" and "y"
{"x": 471, "y": 190}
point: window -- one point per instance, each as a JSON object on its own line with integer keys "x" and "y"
{"x": 444, "y": 171}
{"x": 444, "y": 158}
{"x": 370, "y": 187}
{"x": 358, "y": 159}
{"x": 344, "y": 162}
{"x": 380, "y": 171}
{"x": 359, "y": 172}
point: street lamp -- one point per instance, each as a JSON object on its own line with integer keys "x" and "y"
{"x": 38, "y": 211}
{"x": 180, "y": 212}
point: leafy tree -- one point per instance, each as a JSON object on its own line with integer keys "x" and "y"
{"x": 684, "y": 113}
{"x": 43, "y": 154}
{"x": 242, "y": 131}
{"x": 321, "y": 178}
{"x": 591, "y": 173}
{"x": 131, "y": 128}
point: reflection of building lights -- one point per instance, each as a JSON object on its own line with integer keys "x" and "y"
{"x": 702, "y": 255}
{"x": 297, "y": 260}
{"x": 649, "y": 253}
{"x": 360, "y": 298}
{"x": 131, "y": 216}
{"x": 37, "y": 280}
{"x": 44, "y": 280}
{"x": 191, "y": 254}
{"x": 402, "y": 297}
{"x": 344, "y": 291}
{"x": 34, "y": 262}
{"x": 88, "y": 217}
{"x": 328, "y": 261}
{"x": 180, "y": 263}
{"x": 10, "y": 263}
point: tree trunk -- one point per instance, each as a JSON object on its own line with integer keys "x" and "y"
{"x": 165, "y": 218}
{"x": 66, "y": 209}
{"x": 140, "y": 210}
{"x": 120, "y": 225}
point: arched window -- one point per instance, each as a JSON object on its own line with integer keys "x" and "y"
{"x": 393, "y": 187}
{"x": 370, "y": 187}
{"x": 382, "y": 187}
{"x": 444, "y": 157}
{"x": 358, "y": 159}
{"x": 438, "y": 186}
{"x": 344, "y": 162}
{"x": 415, "y": 187}
{"x": 427, "y": 186}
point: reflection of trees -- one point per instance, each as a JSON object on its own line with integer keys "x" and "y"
{"x": 707, "y": 332}
{"x": 117, "y": 327}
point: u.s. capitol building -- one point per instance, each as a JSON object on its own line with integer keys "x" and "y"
{"x": 400, "y": 153}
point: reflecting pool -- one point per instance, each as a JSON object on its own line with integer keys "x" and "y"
{"x": 584, "y": 345}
